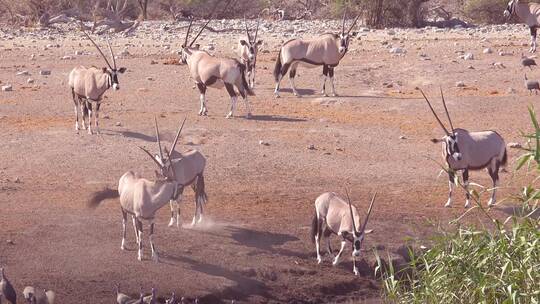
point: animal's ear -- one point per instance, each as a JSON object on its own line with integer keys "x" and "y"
{"x": 259, "y": 43}
{"x": 368, "y": 231}
{"x": 436, "y": 140}
{"x": 157, "y": 174}
{"x": 197, "y": 46}
{"x": 122, "y": 70}
{"x": 104, "y": 70}
{"x": 243, "y": 42}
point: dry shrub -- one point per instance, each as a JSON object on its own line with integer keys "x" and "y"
{"x": 485, "y": 11}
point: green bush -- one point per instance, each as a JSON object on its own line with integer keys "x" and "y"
{"x": 471, "y": 265}
{"x": 485, "y": 11}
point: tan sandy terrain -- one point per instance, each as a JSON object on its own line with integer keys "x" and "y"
{"x": 254, "y": 246}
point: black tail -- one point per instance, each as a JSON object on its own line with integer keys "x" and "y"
{"x": 249, "y": 91}
{"x": 99, "y": 196}
{"x": 200, "y": 194}
{"x": 504, "y": 160}
{"x": 314, "y": 227}
{"x": 277, "y": 67}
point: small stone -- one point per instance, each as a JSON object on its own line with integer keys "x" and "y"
{"x": 142, "y": 90}
{"x": 514, "y": 145}
{"x": 311, "y": 147}
{"x": 78, "y": 53}
{"x": 263, "y": 143}
{"x": 22, "y": 73}
{"x": 511, "y": 91}
{"x": 30, "y": 81}
{"x": 17, "y": 180}
{"x": 67, "y": 57}
{"x": 44, "y": 72}
{"x": 7, "y": 88}
{"x": 339, "y": 149}
{"x": 10, "y": 242}
{"x": 153, "y": 62}
{"x": 460, "y": 84}
{"x": 402, "y": 137}
{"x": 397, "y": 50}
{"x": 488, "y": 51}
{"x": 150, "y": 78}
{"x": 391, "y": 32}
{"x": 468, "y": 56}
{"x": 118, "y": 124}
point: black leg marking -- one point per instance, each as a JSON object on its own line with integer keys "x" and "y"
{"x": 211, "y": 81}
{"x": 285, "y": 68}
{"x": 466, "y": 182}
{"x": 331, "y": 72}
{"x": 325, "y": 70}
{"x": 533, "y": 31}
{"x": 201, "y": 87}
{"x": 230, "y": 89}
{"x": 292, "y": 73}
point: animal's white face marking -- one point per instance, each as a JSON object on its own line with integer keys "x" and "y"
{"x": 184, "y": 55}
{"x": 510, "y": 8}
{"x": 452, "y": 147}
{"x": 357, "y": 244}
{"x": 115, "y": 86}
{"x": 343, "y": 43}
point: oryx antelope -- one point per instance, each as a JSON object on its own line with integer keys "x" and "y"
{"x": 326, "y": 50}
{"x": 248, "y": 50}
{"x": 464, "y": 151}
{"x": 88, "y": 86}
{"x": 34, "y": 295}
{"x": 335, "y": 216}
{"x": 142, "y": 198}
{"x": 209, "y": 71}
{"x": 7, "y": 292}
{"x": 188, "y": 169}
{"x": 528, "y": 13}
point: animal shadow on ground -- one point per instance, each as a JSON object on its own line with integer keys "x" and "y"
{"x": 276, "y": 118}
{"x": 265, "y": 241}
{"x": 135, "y": 135}
{"x": 300, "y": 91}
{"x": 518, "y": 211}
{"x": 244, "y": 288}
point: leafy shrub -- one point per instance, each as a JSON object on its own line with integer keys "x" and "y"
{"x": 485, "y": 11}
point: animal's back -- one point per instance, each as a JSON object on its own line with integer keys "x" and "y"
{"x": 191, "y": 164}
{"x": 477, "y": 148}
{"x": 336, "y": 212}
{"x": 126, "y": 186}
{"x": 317, "y": 50}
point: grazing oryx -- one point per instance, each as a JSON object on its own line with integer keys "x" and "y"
{"x": 38, "y": 296}
{"x": 527, "y": 12}
{"x": 464, "y": 150}
{"x": 142, "y": 198}
{"x": 7, "y": 292}
{"x": 248, "y": 52}
{"x": 326, "y": 50}
{"x": 334, "y": 216}
{"x": 209, "y": 71}
{"x": 89, "y": 84}
{"x": 188, "y": 170}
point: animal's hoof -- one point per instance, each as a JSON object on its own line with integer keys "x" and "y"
{"x": 356, "y": 272}
{"x": 122, "y": 247}
{"x": 335, "y": 95}
{"x": 335, "y": 262}
{"x": 467, "y": 205}
{"x": 319, "y": 260}
{"x": 139, "y": 258}
{"x": 155, "y": 258}
{"x": 491, "y": 203}
{"x": 229, "y": 116}
{"x": 171, "y": 223}
{"x": 276, "y": 95}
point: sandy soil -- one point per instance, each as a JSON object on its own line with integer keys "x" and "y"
{"x": 254, "y": 246}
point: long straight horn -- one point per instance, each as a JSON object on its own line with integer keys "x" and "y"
{"x": 151, "y": 156}
{"x": 435, "y": 114}
{"x": 343, "y": 21}
{"x": 446, "y": 110}
{"x": 368, "y": 213}
{"x": 112, "y": 53}
{"x": 158, "y": 140}
{"x": 257, "y": 28}
{"x": 99, "y": 50}
{"x": 176, "y": 138}
{"x": 350, "y": 209}
{"x": 247, "y": 29}
{"x": 188, "y": 30}
{"x": 353, "y": 24}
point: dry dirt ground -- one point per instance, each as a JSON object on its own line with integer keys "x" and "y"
{"x": 254, "y": 246}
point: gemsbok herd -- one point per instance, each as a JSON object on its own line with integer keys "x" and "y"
{"x": 140, "y": 198}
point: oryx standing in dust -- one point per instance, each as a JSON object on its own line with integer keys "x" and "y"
{"x": 248, "y": 50}
{"x": 209, "y": 71}
{"x": 528, "y": 13}
{"x": 335, "y": 216}
{"x": 88, "y": 86}
{"x": 326, "y": 50}
{"x": 142, "y": 198}
{"x": 188, "y": 169}
{"x": 464, "y": 151}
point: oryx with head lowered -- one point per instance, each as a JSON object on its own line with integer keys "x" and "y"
{"x": 209, "y": 71}
{"x": 248, "y": 50}
{"x": 89, "y": 84}
{"x": 326, "y": 50}
{"x": 335, "y": 216}
{"x": 142, "y": 198}
{"x": 528, "y": 13}
{"x": 188, "y": 170}
{"x": 464, "y": 151}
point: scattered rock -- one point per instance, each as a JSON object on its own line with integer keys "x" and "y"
{"x": 514, "y": 145}
{"x": 78, "y": 53}
{"x": 339, "y": 149}
{"x": 118, "y": 124}
{"x": 67, "y": 57}
{"x": 397, "y": 50}
{"x": 263, "y": 143}
{"x": 142, "y": 90}
{"x": 468, "y": 56}
{"x": 17, "y": 180}
{"x": 502, "y": 53}
{"x": 488, "y": 51}
{"x": 311, "y": 147}
{"x": 150, "y": 78}
{"x": 499, "y": 65}
{"x": 7, "y": 88}
{"x": 153, "y": 62}
{"x": 402, "y": 137}
{"x": 44, "y": 72}
{"x": 30, "y": 81}
{"x": 511, "y": 91}
{"x": 460, "y": 84}
{"x": 22, "y": 73}
{"x": 10, "y": 242}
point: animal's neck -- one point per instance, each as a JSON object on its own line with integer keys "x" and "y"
{"x": 521, "y": 9}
